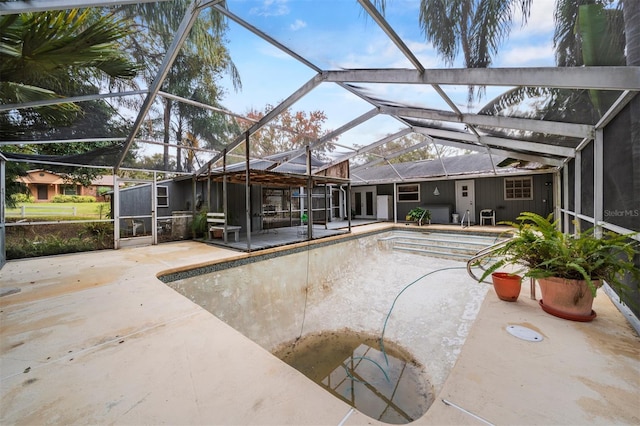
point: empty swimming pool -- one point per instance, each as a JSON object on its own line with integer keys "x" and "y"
{"x": 423, "y": 306}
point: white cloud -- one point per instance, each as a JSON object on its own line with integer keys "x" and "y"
{"x": 298, "y": 24}
{"x": 540, "y": 20}
{"x": 271, "y": 8}
{"x": 541, "y": 55}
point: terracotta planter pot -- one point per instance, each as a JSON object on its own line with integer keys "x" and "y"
{"x": 567, "y": 299}
{"x": 507, "y": 286}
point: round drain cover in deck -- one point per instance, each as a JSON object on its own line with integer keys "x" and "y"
{"x": 524, "y": 333}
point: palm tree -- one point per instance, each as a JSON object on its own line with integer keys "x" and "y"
{"x": 586, "y": 33}
{"x": 631, "y": 10}
{"x": 43, "y": 56}
{"x": 476, "y": 28}
{"x": 201, "y": 60}
{"x": 49, "y": 55}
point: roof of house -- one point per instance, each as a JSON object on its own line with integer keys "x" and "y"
{"x": 443, "y": 168}
{"x": 36, "y": 176}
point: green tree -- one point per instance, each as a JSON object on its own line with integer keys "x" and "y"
{"x": 288, "y": 131}
{"x": 49, "y": 55}
{"x": 211, "y": 129}
{"x": 201, "y": 61}
{"x": 586, "y": 33}
{"x": 43, "y": 55}
{"x": 151, "y": 162}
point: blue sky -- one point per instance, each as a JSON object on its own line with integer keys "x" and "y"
{"x": 337, "y": 33}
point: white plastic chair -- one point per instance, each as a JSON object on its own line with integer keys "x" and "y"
{"x": 488, "y": 214}
{"x": 132, "y": 226}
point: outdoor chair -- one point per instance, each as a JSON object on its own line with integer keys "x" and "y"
{"x": 133, "y": 225}
{"x": 218, "y": 222}
{"x": 488, "y": 214}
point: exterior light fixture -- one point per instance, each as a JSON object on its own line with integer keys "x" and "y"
{"x": 436, "y": 192}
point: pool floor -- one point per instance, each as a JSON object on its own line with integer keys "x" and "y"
{"x": 426, "y": 305}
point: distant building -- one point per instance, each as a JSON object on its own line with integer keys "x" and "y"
{"x": 45, "y": 185}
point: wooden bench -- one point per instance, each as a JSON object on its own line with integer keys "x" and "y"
{"x": 217, "y": 221}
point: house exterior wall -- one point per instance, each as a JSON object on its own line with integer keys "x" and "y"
{"x": 54, "y": 185}
{"x": 489, "y": 194}
{"x": 51, "y": 191}
{"x": 36, "y": 179}
{"x": 386, "y": 189}
{"x": 136, "y": 200}
{"x": 447, "y": 197}
{"x": 180, "y": 197}
{"x": 236, "y": 200}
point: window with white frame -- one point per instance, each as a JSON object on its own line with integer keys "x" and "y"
{"x": 162, "y": 196}
{"x": 409, "y": 192}
{"x": 518, "y": 188}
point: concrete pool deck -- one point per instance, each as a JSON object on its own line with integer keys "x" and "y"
{"x": 96, "y": 338}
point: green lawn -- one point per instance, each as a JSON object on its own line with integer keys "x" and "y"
{"x": 60, "y": 211}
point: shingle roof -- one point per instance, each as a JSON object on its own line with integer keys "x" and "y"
{"x": 468, "y": 164}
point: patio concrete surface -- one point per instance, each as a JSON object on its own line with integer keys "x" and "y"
{"x": 95, "y": 338}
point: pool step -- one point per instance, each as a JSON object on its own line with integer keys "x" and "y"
{"x": 459, "y": 246}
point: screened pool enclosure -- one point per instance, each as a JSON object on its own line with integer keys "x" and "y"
{"x": 376, "y": 85}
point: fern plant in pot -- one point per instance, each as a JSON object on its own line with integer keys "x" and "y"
{"x": 199, "y": 223}
{"x": 417, "y": 214}
{"x": 569, "y": 268}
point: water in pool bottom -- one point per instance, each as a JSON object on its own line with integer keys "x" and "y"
{"x": 353, "y": 367}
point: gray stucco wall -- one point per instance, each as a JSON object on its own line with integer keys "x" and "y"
{"x": 447, "y": 197}
{"x": 137, "y": 200}
{"x": 490, "y": 195}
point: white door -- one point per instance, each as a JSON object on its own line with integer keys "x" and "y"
{"x": 466, "y": 200}
{"x": 364, "y": 202}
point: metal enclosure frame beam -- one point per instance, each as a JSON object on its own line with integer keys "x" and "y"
{"x": 365, "y": 149}
{"x": 392, "y": 155}
{"x": 11, "y": 8}
{"x": 524, "y": 124}
{"x": 293, "y": 98}
{"x": 391, "y": 33}
{"x": 597, "y": 78}
{"x": 71, "y": 99}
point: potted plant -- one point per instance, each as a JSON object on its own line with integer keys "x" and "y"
{"x": 418, "y": 213}
{"x": 199, "y": 223}
{"x": 506, "y": 285}
{"x": 569, "y": 268}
